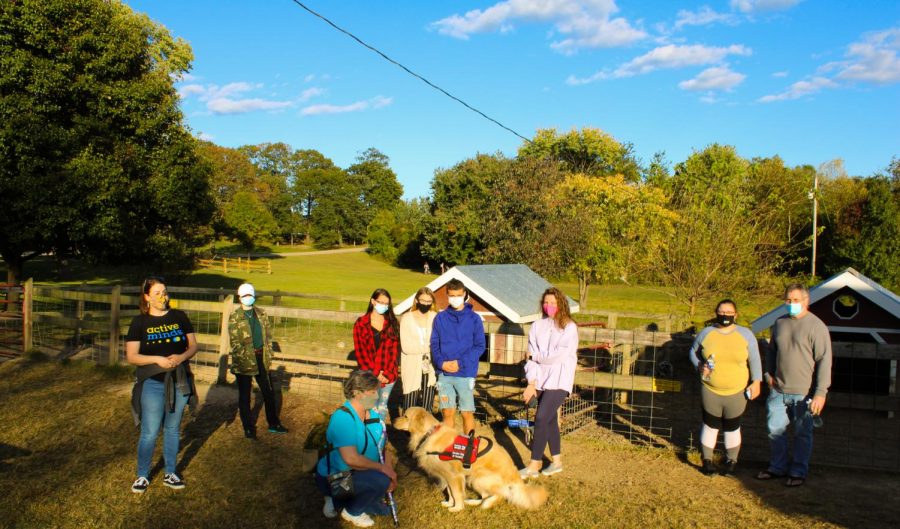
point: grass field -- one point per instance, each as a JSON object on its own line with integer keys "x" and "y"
{"x": 67, "y": 457}
{"x": 355, "y": 275}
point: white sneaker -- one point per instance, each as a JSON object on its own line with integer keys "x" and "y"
{"x": 328, "y": 508}
{"x": 363, "y": 520}
{"x": 140, "y": 485}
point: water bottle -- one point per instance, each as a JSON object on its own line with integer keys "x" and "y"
{"x": 710, "y": 363}
{"x": 816, "y": 418}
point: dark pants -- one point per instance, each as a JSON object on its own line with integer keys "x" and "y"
{"x": 424, "y": 396}
{"x": 546, "y": 427}
{"x": 369, "y": 489}
{"x": 245, "y": 383}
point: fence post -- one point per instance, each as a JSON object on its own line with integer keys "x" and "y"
{"x": 27, "y": 317}
{"x": 276, "y": 301}
{"x": 269, "y": 267}
{"x": 224, "y": 340}
{"x": 114, "y": 302}
{"x": 612, "y": 321}
{"x": 224, "y": 265}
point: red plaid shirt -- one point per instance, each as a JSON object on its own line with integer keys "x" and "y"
{"x": 382, "y": 360}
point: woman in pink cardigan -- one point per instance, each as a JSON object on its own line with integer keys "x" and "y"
{"x": 550, "y": 370}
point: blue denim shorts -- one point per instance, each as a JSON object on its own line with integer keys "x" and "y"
{"x": 452, "y": 388}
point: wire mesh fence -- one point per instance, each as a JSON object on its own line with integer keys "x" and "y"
{"x": 637, "y": 384}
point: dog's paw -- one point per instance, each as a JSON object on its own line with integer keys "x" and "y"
{"x": 447, "y": 503}
{"x": 457, "y": 508}
{"x": 488, "y": 502}
{"x": 474, "y": 501}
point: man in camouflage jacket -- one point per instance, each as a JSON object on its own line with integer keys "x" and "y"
{"x": 251, "y": 356}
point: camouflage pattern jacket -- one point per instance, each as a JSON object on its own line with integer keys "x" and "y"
{"x": 243, "y": 359}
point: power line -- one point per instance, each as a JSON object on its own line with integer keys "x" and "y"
{"x": 407, "y": 70}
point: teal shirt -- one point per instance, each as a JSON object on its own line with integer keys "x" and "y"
{"x": 347, "y": 429}
{"x": 255, "y": 328}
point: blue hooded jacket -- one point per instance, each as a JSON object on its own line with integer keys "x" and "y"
{"x": 457, "y": 335}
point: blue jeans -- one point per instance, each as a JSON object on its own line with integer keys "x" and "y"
{"x": 153, "y": 415}
{"x": 782, "y": 409}
{"x": 369, "y": 489}
{"x": 450, "y": 389}
{"x": 382, "y": 402}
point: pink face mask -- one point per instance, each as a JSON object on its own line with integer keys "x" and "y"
{"x": 551, "y": 310}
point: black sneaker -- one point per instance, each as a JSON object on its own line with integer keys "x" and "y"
{"x": 708, "y": 467}
{"x": 728, "y": 469}
{"x": 140, "y": 485}
{"x": 250, "y": 433}
{"x": 278, "y": 428}
{"x": 173, "y": 481}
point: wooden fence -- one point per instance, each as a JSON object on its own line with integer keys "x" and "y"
{"x": 237, "y": 264}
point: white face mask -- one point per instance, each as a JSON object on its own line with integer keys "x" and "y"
{"x": 457, "y": 301}
{"x": 381, "y": 308}
{"x": 248, "y": 301}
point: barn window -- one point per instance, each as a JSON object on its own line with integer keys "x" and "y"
{"x": 846, "y": 307}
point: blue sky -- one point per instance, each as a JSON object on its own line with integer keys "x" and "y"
{"x": 808, "y": 80}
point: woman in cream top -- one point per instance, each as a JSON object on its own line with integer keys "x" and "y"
{"x": 416, "y": 370}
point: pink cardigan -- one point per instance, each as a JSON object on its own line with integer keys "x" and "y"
{"x": 553, "y": 355}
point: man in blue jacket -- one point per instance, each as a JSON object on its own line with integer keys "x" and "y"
{"x": 457, "y": 342}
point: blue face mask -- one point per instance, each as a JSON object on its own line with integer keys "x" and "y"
{"x": 248, "y": 301}
{"x": 794, "y": 309}
{"x": 380, "y": 308}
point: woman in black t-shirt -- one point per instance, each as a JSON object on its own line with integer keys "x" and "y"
{"x": 160, "y": 342}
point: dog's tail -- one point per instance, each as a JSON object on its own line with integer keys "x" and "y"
{"x": 526, "y": 496}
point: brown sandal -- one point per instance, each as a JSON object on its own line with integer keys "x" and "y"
{"x": 794, "y": 481}
{"x": 767, "y": 475}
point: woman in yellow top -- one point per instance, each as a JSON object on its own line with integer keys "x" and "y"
{"x": 727, "y": 357}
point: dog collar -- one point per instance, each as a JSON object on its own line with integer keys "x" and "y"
{"x": 427, "y": 435}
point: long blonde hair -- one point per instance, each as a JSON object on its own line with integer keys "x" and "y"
{"x": 430, "y": 293}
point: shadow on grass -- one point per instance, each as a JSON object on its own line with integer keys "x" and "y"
{"x": 219, "y": 409}
{"x": 8, "y": 452}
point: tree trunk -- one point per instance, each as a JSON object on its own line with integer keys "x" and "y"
{"x": 583, "y": 286}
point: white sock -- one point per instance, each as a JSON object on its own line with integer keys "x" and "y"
{"x": 708, "y": 438}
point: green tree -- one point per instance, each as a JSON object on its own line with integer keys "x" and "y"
{"x": 587, "y": 151}
{"x": 91, "y": 138}
{"x": 277, "y": 167}
{"x": 866, "y": 234}
{"x": 378, "y": 182}
{"x": 313, "y": 168}
{"x": 720, "y": 246}
{"x": 606, "y": 229}
{"x": 336, "y": 218}
{"x": 248, "y": 220}
{"x": 459, "y": 197}
{"x": 396, "y": 235}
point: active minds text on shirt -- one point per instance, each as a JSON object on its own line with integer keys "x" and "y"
{"x": 161, "y": 335}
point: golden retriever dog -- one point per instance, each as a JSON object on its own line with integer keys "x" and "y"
{"x": 492, "y": 476}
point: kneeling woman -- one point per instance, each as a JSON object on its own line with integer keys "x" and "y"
{"x": 727, "y": 357}
{"x": 356, "y": 439}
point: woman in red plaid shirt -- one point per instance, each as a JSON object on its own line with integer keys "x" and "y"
{"x": 376, "y": 336}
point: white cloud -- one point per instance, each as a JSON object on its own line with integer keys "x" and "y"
{"x": 584, "y": 23}
{"x": 800, "y": 89}
{"x": 205, "y": 137}
{"x": 670, "y": 56}
{"x": 780, "y": 74}
{"x": 226, "y": 100}
{"x": 359, "y": 106}
{"x": 874, "y": 59}
{"x": 310, "y": 93}
{"x": 704, "y": 16}
{"x": 224, "y": 105}
{"x": 715, "y": 78}
{"x": 754, "y": 6}
{"x": 871, "y": 60}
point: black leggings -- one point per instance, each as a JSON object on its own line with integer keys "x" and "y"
{"x": 546, "y": 426}
{"x": 245, "y": 383}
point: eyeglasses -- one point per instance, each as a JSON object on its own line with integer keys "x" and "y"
{"x": 425, "y": 301}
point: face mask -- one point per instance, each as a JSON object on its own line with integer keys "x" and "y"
{"x": 423, "y": 308}
{"x": 457, "y": 301}
{"x": 724, "y": 320}
{"x": 380, "y": 308}
{"x": 794, "y": 309}
{"x": 368, "y": 401}
{"x": 248, "y": 301}
{"x": 551, "y": 310}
